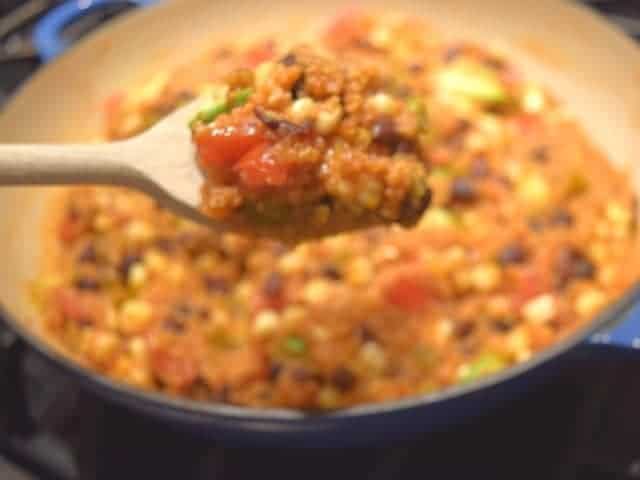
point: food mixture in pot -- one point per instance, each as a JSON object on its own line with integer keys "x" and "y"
{"x": 530, "y": 232}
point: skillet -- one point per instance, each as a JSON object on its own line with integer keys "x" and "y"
{"x": 588, "y": 64}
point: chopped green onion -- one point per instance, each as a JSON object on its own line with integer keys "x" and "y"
{"x": 240, "y": 97}
{"x": 294, "y": 345}
{"x": 211, "y": 112}
{"x": 484, "y": 365}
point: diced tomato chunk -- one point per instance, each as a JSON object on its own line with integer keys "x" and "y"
{"x": 175, "y": 366}
{"x": 529, "y": 284}
{"x": 527, "y": 124}
{"x": 259, "y": 169}
{"x": 223, "y": 147}
{"x": 348, "y": 26}
{"x": 407, "y": 291}
{"x": 260, "y": 53}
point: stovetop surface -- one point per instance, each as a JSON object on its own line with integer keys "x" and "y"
{"x": 582, "y": 424}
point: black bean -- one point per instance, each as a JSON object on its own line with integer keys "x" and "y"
{"x": 572, "y": 264}
{"x": 535, "y": 224}
{"x": 366, "y": 334}
{"x": 275, "y": 369}
{"x": 165, "y": 244}
{"x": 463, "y": 190}
{"x": 297, "y": 89}
{"x": 215, "y": 284}
{"x": 540, "y": 154}
{"x": 273, "y": 285}
{"x": 301, "y": 374}
{"x": 503, "y": 324}
{"x": 289, "y": 59}
{"x": 86, "y": 283}
{"x": 463, "y": 330}
{"x": 412, "y": 207}
{"x": 560, "y": 218}
{"x": 406, "y": 146}
{"x": 173, "y": 324}
{"x": 383, "y": 130}
{"x": 452, "y": 53}
{"x": 343, "y": 379}
{"x": 274, "y": 122}
{"x": 127, "y": 262}
{"x": 512, "y": 253}
{"x": 415, "y": 68}
{"x": 183, "y": 309}
{"x": 495, "y": 63}
{"x": 479, "y": 168}
{"x": 331, "y": 271}
{"x": 88, "y": 254}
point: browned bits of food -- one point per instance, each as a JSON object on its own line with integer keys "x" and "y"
{"x": 530, "y": 232}
{"x": 283, "y": 156}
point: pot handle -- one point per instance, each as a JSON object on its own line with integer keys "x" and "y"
{"x": 48, "y": 34}
{"x": 625, "y": 334}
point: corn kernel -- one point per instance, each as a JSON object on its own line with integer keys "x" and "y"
{"x": 359, "y": 271}
{"x": 317, "y": 292}
{"x": 293, "y": 315}
{"x": 266, "y": 323}
{"x": 533, "y": 99}
{"x": 618, "y": 214}
{"x": 373, "y": 355}
{"x": 302, "y": 109}
{"x": 589, "y": 302}
{"x": 540, "y": 309}
{"x": 155, "y": 261}
{"x": 518, "y": 344}
{"x": 485, "y": 277}
{"x": 137, "y": 275}
{"x": 534, "y": 190}
{"x": 382, "y": 103}
{"x": 135, "y": 316}
{"x": 102, "y": 223}
{"x": 327, "y": 120}
{"x": 139, "y": 231}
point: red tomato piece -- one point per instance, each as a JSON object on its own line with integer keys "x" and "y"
{"x": 527, "y": 124}
{"x": 407, "y": 292}
{"x": 259, "y": 169}
{"x": 223, "y": 147}
{"x": 348, "y": 26}
{"x": 530, "y": 284}
{"x": 175, "y": 366}
{"x": 260, "y": 53}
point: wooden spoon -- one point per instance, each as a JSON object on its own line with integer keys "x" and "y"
{"x": 160, "y": 162}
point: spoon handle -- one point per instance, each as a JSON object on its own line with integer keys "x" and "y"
{"x": 42, "y": 164}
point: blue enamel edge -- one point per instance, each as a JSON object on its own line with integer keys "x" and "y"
{"x": 47, "y": 38}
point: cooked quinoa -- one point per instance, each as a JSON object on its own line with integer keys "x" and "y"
{"x": 530, "y": 234}
{"x": 311, "y": 145}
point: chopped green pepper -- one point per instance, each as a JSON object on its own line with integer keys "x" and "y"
{"x": 294, "y": 345}
{"x": 213, "y": 111}
{"x": 241, "y": 96}
{"x": 473, "y": 81}
{"x": 485, "y": 364}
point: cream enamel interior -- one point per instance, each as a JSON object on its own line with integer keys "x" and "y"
{"x": 590, "y": 66}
